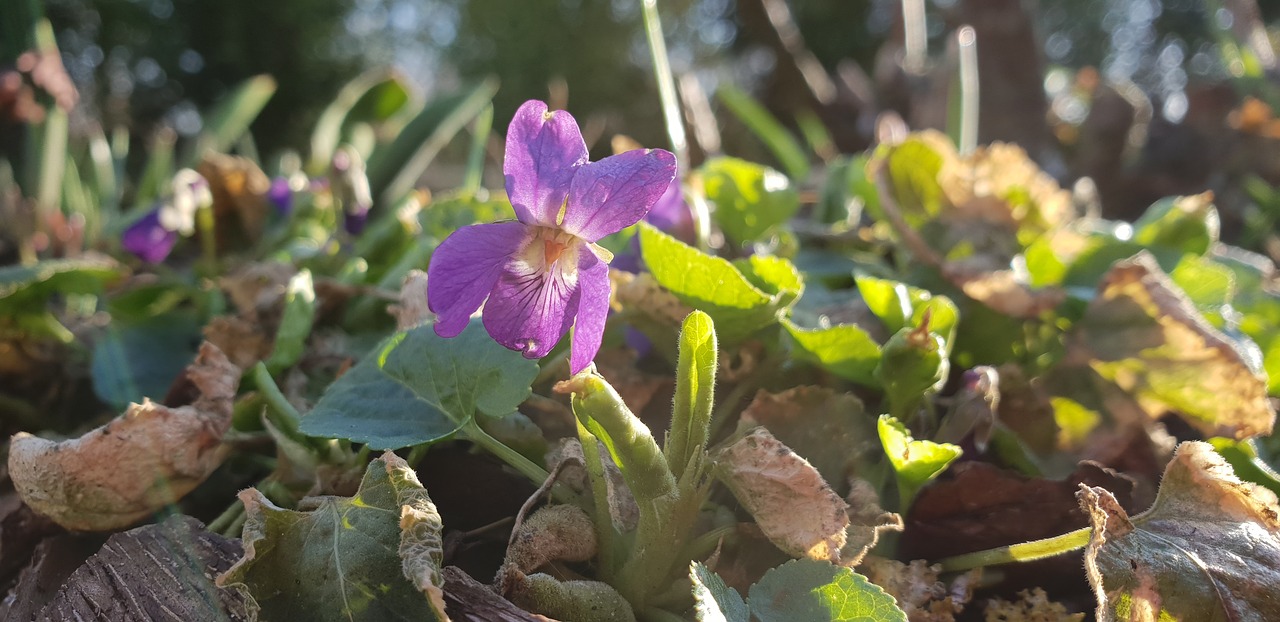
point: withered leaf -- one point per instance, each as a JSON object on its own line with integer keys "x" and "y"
{"x": 790, "y": 501}
{"x": 1207, "y": 550}
{"x": 1143, "y": 334}
{"x": 830, "y": 430}
{"x": 374, "y": 556}
{"x": 120, "y": 473}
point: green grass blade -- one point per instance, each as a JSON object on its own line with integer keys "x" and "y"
{"x": 779, "y": 141}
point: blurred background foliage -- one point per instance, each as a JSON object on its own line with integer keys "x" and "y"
{"x": 146, "y": 63}
{"x": 1135, "y": 92}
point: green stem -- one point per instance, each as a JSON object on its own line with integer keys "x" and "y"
{"x": 416, "y": 454}
{"x": 226, "y": 519}
{"x": 281, "y": 413}
{"x": 511, "y": 457}
{"x": 1024, "y": 552}
{"x": 208, "y": 239}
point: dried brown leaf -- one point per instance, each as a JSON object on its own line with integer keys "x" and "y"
{"x": 867, "y": 521}
{"x": 790, "y": 501}
{"x": 1143, "y": 334}
{"x": 412, "y": 309}
{"x": 831, "y": 430}
{"x": 118, "y": 474}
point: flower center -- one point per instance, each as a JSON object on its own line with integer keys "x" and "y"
{"x": 552, "y": 253}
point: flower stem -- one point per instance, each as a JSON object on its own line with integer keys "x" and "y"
{"x": 511, "y": 457}
{"x": 208, "y": 239}
{"x": 281, "y": 413}
{"x": 1024, "y": 552}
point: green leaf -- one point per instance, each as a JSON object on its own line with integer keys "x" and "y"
{"x": 806, "y": 590}
{"x": 913, "y": 167}
{"x": 444, "y": 215}
{"x": 137, "y": 360}
{"x": 395, "y": 168}
{"x": 779, "y": 141}
{"x": 916, "y": 462}
{"x": 417, "y": 387}
{"x": 713, "y": 601}
{"x": 1189, "y": 224}
{"x": 1244, "y": 460}
{"x": 345, "y": 558}
{"x": 894, "y": 303}
{"x": 231, "y": 118}
{"x": 713, "y": 285}
{"x": 845, "y": 350}
{"x": 750, "y": 199}
{"x": 295, "y": 323}
{"x": 375, "y": 95}
{"x": 27, "y": 288}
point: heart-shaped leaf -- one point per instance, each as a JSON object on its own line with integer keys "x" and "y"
{"x": 802, "y": 590}
{"x": 417, "y": 387}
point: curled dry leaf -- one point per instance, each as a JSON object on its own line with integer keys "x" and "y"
{"x": 124, "y": 471}
{"x": 1142, "y": 333}
{"x": 243, "y": 341}
{"x": 867, "y": 520}
{"x": 918, "y": 590}
{"x": 412, "y": 309}
{"x": 830, "y": 430}
{"x": 1005, "y": 290}
{"x": 790, "y": 501}
{"x": 239, "y": 194}
{"x": 553, "y": 533}
{"x": 1207, "y": 550}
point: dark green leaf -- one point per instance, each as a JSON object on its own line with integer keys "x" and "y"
{"x": 345, "y": 558}
{"x": 417, "y": 387}
{"x": 137, "y": 360}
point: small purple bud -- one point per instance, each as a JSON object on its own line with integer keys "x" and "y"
{"x": 354, "y": 219}
{"x": 148, "y": 239}
{"x": 281, "y": 195}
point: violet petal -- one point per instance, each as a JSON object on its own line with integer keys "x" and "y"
{"x": 592, "y": 310}
{"x": 616, "y": 192}
{"x": 466, "y": 267}
{"x": 543, "y": 151}
{"x": 528, "y": 310}
{"x": 148, "y": 239}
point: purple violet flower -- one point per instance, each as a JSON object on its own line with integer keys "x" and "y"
{"x": 281, "y": 195}
{"x": 543, "y": 272}
{"x": 148, "y": 239}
